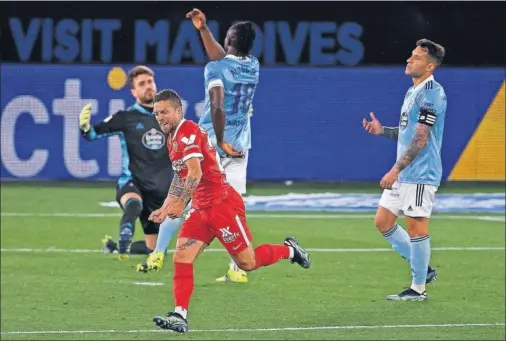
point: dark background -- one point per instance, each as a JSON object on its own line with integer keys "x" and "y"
{"x": 472, "y": 32}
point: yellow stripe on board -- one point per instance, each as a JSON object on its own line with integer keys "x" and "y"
{"x": 483, "y": 157}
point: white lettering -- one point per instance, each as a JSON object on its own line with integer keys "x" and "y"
{"x": 15, "y": 108}
{"x": 114, "y": 144}
{"x": 69, "y": 107}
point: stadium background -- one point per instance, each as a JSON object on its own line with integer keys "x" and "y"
{"x": 323, "y": 70}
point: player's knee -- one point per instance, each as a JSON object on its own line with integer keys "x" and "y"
{"x": 418, "y": 227}
{"x": 384, "y": 220}
{"x": 182, "y": 257}
{"x": 247, "y": 264}
{"x": 381, "y": 223}
{"x": 245, "y": 260}
{"x": 133, "y": 206}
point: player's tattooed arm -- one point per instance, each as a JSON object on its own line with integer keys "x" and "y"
{"x": 390, "y": 132}
{"x": 192, "y": 180}
{"x": 415, "y": 147}
{"x": 176, "y": 189}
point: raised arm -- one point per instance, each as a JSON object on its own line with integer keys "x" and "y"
{"x": 213, "y": 49}
{"x": 109, "y": 126}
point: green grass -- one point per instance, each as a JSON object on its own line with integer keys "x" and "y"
{"x": 50, "y": 291}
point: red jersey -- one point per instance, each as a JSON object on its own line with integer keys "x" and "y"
{"x": 189, "y": 141}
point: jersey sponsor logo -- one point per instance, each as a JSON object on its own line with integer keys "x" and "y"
{"x": 227, "y": 236}
{"x": 403, "y": 123}
{"x": 153, "y": 139}
{"x": 193, "y": 146}
{"x": 188, "y": 140}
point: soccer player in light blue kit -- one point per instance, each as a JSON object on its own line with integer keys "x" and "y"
{"x": 411, "y": 184}
{"x": 232, "y": 75}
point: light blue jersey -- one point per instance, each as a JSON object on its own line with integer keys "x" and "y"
{"x": 239, "y": 78}
{"x": 425, "y": 103}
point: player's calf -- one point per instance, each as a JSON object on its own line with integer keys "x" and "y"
{"x": 132, "y": 208}
{"x": 267, "y": 254}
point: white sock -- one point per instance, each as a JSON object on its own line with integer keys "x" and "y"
{"x": 181, "y": 311}
{"x": 291, "y": 252}
{"x": 419, "y": 288}
{"x": 234, "y": 266}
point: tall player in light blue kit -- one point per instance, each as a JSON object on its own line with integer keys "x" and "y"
{"x": 411, "y": 184}
{"x": 230, "y": 78}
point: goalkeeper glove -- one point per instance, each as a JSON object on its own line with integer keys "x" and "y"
{"x": 84, "y": 118}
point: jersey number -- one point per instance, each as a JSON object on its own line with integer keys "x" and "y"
{"x": 243, "y": 94}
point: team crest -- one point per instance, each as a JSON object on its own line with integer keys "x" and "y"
{"x": 403, "y": 123}
{"x": 153, "y": 139}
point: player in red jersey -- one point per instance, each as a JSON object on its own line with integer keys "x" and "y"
{"x": 217, "y": 210}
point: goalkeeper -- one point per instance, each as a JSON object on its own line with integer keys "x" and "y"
{"x": 146, "y": 169}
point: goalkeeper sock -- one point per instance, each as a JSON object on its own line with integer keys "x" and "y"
{"x": 167, "y": 230}
{"x": 131, "y": 211}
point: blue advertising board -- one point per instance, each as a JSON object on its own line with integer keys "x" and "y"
{"x": 306, "y": 124}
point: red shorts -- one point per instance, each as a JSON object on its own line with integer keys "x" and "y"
{"x": 225, "y": 220}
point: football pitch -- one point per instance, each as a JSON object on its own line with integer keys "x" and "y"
{"x": 57, "y": 284}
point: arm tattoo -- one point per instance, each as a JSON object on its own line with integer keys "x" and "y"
{"x": 189, "y": 187}
{"x": 415, "y": 147}
{"x": 390, "y": 132}
{"x": 182, "y": 189}
{"x": 187, "y": 244}
{"x": 177, "y": 186}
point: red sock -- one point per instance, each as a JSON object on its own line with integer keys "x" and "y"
{"x": 268, "y": 254}
{"x": 183, "y": 284}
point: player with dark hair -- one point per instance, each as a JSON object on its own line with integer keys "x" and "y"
{"x": 217, "y": 209}
{"x": 233, "y": 73}
{"x": 146, "y": 168}
{"x": 410, "y": 186}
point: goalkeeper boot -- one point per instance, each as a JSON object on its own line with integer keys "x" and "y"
{"x": 109, "y": 245}
{"x": 125, "y": 239}
{"x": 172, "y": 321}
{"x": 300, "y": 256}
{"x": 154, "y": 262}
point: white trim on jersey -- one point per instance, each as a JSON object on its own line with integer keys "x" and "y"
{"x": 430, "y": 78}
{"x": 231, "y": 56}
{"x": 214, "y": 83}
{"x": 191, "y": 156}
{"x": 177, "y": 128}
